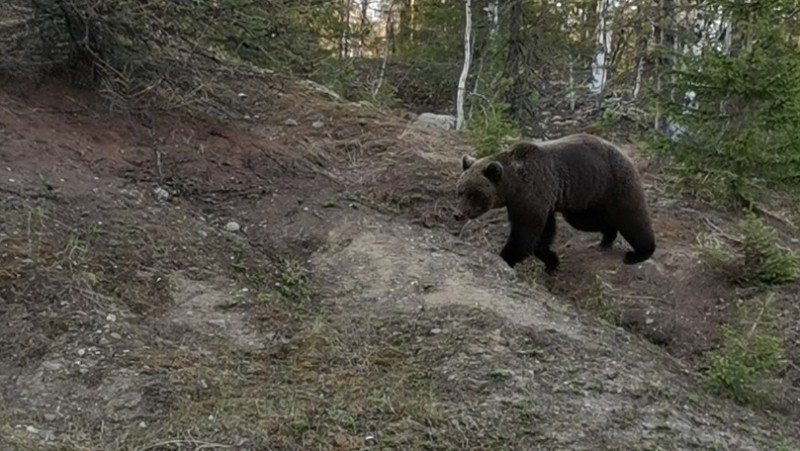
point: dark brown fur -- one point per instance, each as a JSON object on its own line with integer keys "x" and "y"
{"x": 585, "y": 178}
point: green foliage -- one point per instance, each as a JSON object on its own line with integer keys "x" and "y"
{"x": 767, "y": 263}
{"x": 293, "y": 281}
{"x": 751, "y": 351}
{"x": 490, "y": 129}
{"x": 601, "y": 303}
{"x": 757, "y": 258}
{"x": 743, "y": 135}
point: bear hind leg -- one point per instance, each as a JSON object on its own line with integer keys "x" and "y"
{"x": 593, "y": 221}
{"x": 542, "y": 249}
{"x": 609, "y": 236}
{"x": 638, "y": 232}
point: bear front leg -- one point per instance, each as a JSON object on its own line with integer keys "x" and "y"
{"x": 523, "y": 239}
{"x": 519, "y": 245}
{"x": 542, "y": 249}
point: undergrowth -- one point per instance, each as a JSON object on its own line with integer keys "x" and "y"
{"x": 751, "y": 352}
{"x": 755, "y": 257}
{"x": 601, "y": 303}
{"x": 490, "y": 129}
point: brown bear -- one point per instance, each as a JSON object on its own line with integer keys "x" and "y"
{"x": 584, "y": 177}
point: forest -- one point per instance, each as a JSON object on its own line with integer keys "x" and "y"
{"x": 710, "y": 86}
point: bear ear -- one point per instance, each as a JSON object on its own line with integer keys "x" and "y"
{"x": 494, "y": 171}
{"x": 466, "y": 162}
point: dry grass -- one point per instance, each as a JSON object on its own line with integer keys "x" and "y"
{"x": 327, "y": 378}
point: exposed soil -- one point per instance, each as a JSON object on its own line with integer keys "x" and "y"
{"x": 344, "y": 309}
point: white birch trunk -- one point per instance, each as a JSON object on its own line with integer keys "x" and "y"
{"x": 604, "y": 35}
{"x": 638, "y": 83}
{"x": 571, "y": 87}
{"x": 386, "y": 47}
{"x": 462, "y": 81}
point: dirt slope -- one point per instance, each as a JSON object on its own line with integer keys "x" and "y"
{"x": 344, "y": 309}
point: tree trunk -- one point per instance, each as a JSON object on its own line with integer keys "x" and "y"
{"x": 601, "y": 59}
{"x": 462, "y": 81}
{"x": 365, "y": 27}
{"x": 665, "y": 38}
{"x": 518, "y": 67}
{"x": 387, "y": 45}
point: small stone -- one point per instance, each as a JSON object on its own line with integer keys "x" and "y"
{"x": 290, "y": 123}
{"x": 53, "y": 366}
{"x": 81, "y": 352}
{"x": 111, "y": 317}
{"x": 142, "y": 424}
{"x": 161, "y": 194}
{"x": 115, "y": 336}
{"x": 50, "y": 417}
{"x": 217, "y": 322}
{"x": 31, "y": 429}
{"x": 232, "y": 226}
{"x": 317, "y": 124}
{"x": 436, "y": 331}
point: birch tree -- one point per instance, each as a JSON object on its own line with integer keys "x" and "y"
{"x": 604, "y": 34}
{"x": 462, "y": 81}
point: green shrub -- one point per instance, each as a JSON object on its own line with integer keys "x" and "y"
{"x": 601, "y": 302}
{"x": 751, "y": 351}
{"x": 490, "y": 129}
{"x": 757, "y": 258}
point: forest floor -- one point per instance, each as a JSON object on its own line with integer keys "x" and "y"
{"x": 296, "y": 281}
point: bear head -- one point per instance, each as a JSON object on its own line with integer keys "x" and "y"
{"x": 479, "y": 187}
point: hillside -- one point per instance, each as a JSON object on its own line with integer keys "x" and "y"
{"x": 296, "y": 281}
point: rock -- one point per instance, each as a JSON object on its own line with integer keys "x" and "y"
{"x": 53, "y": 365}
{"x": 232, "y": 226}
{"x": 111, "y": 317}
{"x": 290, "y": 123}
{"x": 432, "y": 120}
{"x": 161, "y": 194}
{"x": 318, "y": 124}
{"x": 321, "y": 89}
